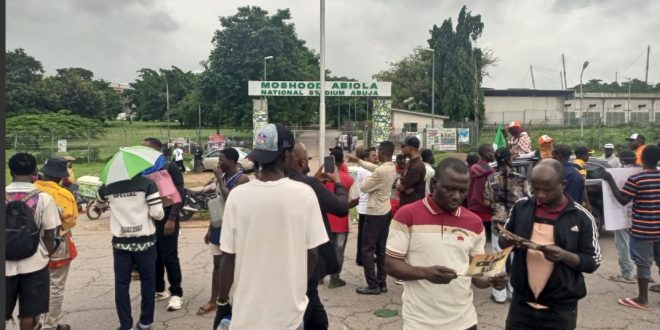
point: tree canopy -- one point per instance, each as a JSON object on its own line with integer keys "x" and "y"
{"x": 71, "y": 89}
{"x": 636, "y": 86}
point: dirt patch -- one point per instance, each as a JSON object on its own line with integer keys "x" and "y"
{"x": 197, "y": 179}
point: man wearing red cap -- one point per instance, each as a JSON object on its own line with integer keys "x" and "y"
{"x": 519, "y": 141}
{"x": 545, "y": 146}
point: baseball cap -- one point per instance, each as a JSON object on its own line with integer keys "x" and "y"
{"x": 69, "y": 158}
{"x": 636, "y": 136}
{"x": 514, "y": 123}
{"x": 55, "y": 167}
{"x": 581, "y": 151}
{"x": 608, "y": 146}
{"x": 411, "y": 141}
{"x": 545, "y": 139}
{"x": 270, "y": 142}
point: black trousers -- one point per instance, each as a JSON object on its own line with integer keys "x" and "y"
{"x": 168, "y": 259}
{"x": 376, "y": 228}
{"x": 181, "y": 166}
{"x": 315, "y": 315}
{"x": 523, "y": 316}
{"x": 360, "y": 234}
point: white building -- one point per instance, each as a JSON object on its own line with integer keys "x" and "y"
{"x": 414, "y": 121}
{"x": 562, "y": 107}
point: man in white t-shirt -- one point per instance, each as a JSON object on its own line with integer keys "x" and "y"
{"x": 268, "y": 249}
{"x": 28, "y": 280}
{"x": 359, "y": 198}
{"x": 429, "y": 159}
{"x": 178, "y": 157}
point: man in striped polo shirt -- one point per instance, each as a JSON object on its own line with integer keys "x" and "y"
{"x": 643, "y": 189}
{"x": 430, "y": 244}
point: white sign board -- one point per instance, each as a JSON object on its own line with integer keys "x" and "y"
{"x": 446, "y": 139}
{"x": 616, "y": 216}
{"x": 61, "y": 145}
{"x": 313, "y": 88}
{"x": 464, "y": 135}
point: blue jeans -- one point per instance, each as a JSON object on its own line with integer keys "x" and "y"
{"x": 622, "y": 240}
{"x": 146, "y": 266}
{"x": 644, "y": 252}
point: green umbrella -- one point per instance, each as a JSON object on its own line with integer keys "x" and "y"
{"x": 129, "y": 162}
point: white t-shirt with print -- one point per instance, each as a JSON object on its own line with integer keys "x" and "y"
{"x": 269, "y": 226}
{"x": 47, "y": 217}
{"x": 178, "y": 154}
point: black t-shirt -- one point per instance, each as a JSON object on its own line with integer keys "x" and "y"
{"x": 413, "y": 177}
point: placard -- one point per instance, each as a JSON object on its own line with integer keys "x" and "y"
{"x": 446, "y": 139}
{"x": 464, "y": 135}
{"x": 615, "y": 215}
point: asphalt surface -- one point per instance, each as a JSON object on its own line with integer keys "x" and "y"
{"x": 89, "y": 295}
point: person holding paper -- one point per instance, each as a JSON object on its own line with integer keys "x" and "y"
{"x": 643, "y": 189}
{"x": 547, "y": 280}
{"x": 503, "y": 189}
{"x": 430, "y": 244}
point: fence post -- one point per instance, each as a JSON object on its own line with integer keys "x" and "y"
{"x": 89, "y": 141}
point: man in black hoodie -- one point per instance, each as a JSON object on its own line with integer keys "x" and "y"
{"x": 296, "y": 168}
{"x": 547, "y": 280}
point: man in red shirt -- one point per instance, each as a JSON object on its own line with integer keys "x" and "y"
{"x": 479, "y": 174}
{"x": 339, "y": 225}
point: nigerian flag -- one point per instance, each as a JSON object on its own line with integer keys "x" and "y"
{"x": 500, "y": 141}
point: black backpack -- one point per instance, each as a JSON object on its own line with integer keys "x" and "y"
{"x": 22, "y": 237}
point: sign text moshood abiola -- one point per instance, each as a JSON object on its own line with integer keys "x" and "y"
{"x": 313, "y": 88}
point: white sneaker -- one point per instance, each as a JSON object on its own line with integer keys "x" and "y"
{"x": 398, "y": 282}
{"x": 175, "y": 303}
{"x": 162, "y": 295}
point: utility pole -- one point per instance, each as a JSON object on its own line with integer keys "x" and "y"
{"x": 648, "y": 53}
{"x": 532, "y": 72}
{"x": 561, "y": 82}
{"x": 563, "y": 63}
{"x": 322, "y": 96}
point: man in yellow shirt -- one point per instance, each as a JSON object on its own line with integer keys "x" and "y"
{"x": 52, "y": 174}
{"x": 637, "y": 143}
{"x": 581, "y": 159}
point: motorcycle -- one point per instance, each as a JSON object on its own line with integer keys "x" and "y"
{"x": 195, "y": 200}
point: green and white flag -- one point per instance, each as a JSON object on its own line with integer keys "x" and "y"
{"x": 500, "y": 141}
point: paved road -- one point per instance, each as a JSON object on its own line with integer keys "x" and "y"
{"x": 89, "y": 297}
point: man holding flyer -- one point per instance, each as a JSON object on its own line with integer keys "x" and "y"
{"x": 437, "y": 293}
{"x": 556, "y": 241}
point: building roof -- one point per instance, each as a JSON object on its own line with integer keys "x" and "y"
{"x": 417, "y": 113}
{"x": 527, "y": 92}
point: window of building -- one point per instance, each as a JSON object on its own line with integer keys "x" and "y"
{"x": 410, "y": 127}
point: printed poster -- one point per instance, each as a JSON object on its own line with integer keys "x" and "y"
{"x": 446, "y": 139}
{"x": 61, "y": 145}
{"x": 490, "y": 264}
{"x": 616, "y": 216}
{"x": 464, "y": 135}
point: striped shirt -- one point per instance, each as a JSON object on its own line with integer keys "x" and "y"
{"x": 644, "y": 189}
{"x": 424, "y": 235}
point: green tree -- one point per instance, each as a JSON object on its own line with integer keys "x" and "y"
{"x": 239, "y": 49}
{"x": 149, "y": 92}
{"x": 23, "y": 74}
{"x": 459, "y": 66}
{"x": 598, "y": 86}
{"x": 411, "y": 81}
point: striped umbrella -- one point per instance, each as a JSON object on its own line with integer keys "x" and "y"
{"x": 129, "y": 162}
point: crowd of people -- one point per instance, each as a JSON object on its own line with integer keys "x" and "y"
{"x": 417, "y": 222}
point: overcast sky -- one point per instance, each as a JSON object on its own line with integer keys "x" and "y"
{"x": 116, "y": 38}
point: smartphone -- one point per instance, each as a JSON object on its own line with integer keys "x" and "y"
{"x": 329, "y": 164}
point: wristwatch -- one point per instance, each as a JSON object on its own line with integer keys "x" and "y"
{"x": 222, "y": 302}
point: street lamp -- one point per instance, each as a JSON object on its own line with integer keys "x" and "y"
{"x": 167, "y": 100}
{"x": 584, "y": 66}
{"x": 266, "y": 59}
{"x": 432, "y": 87}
